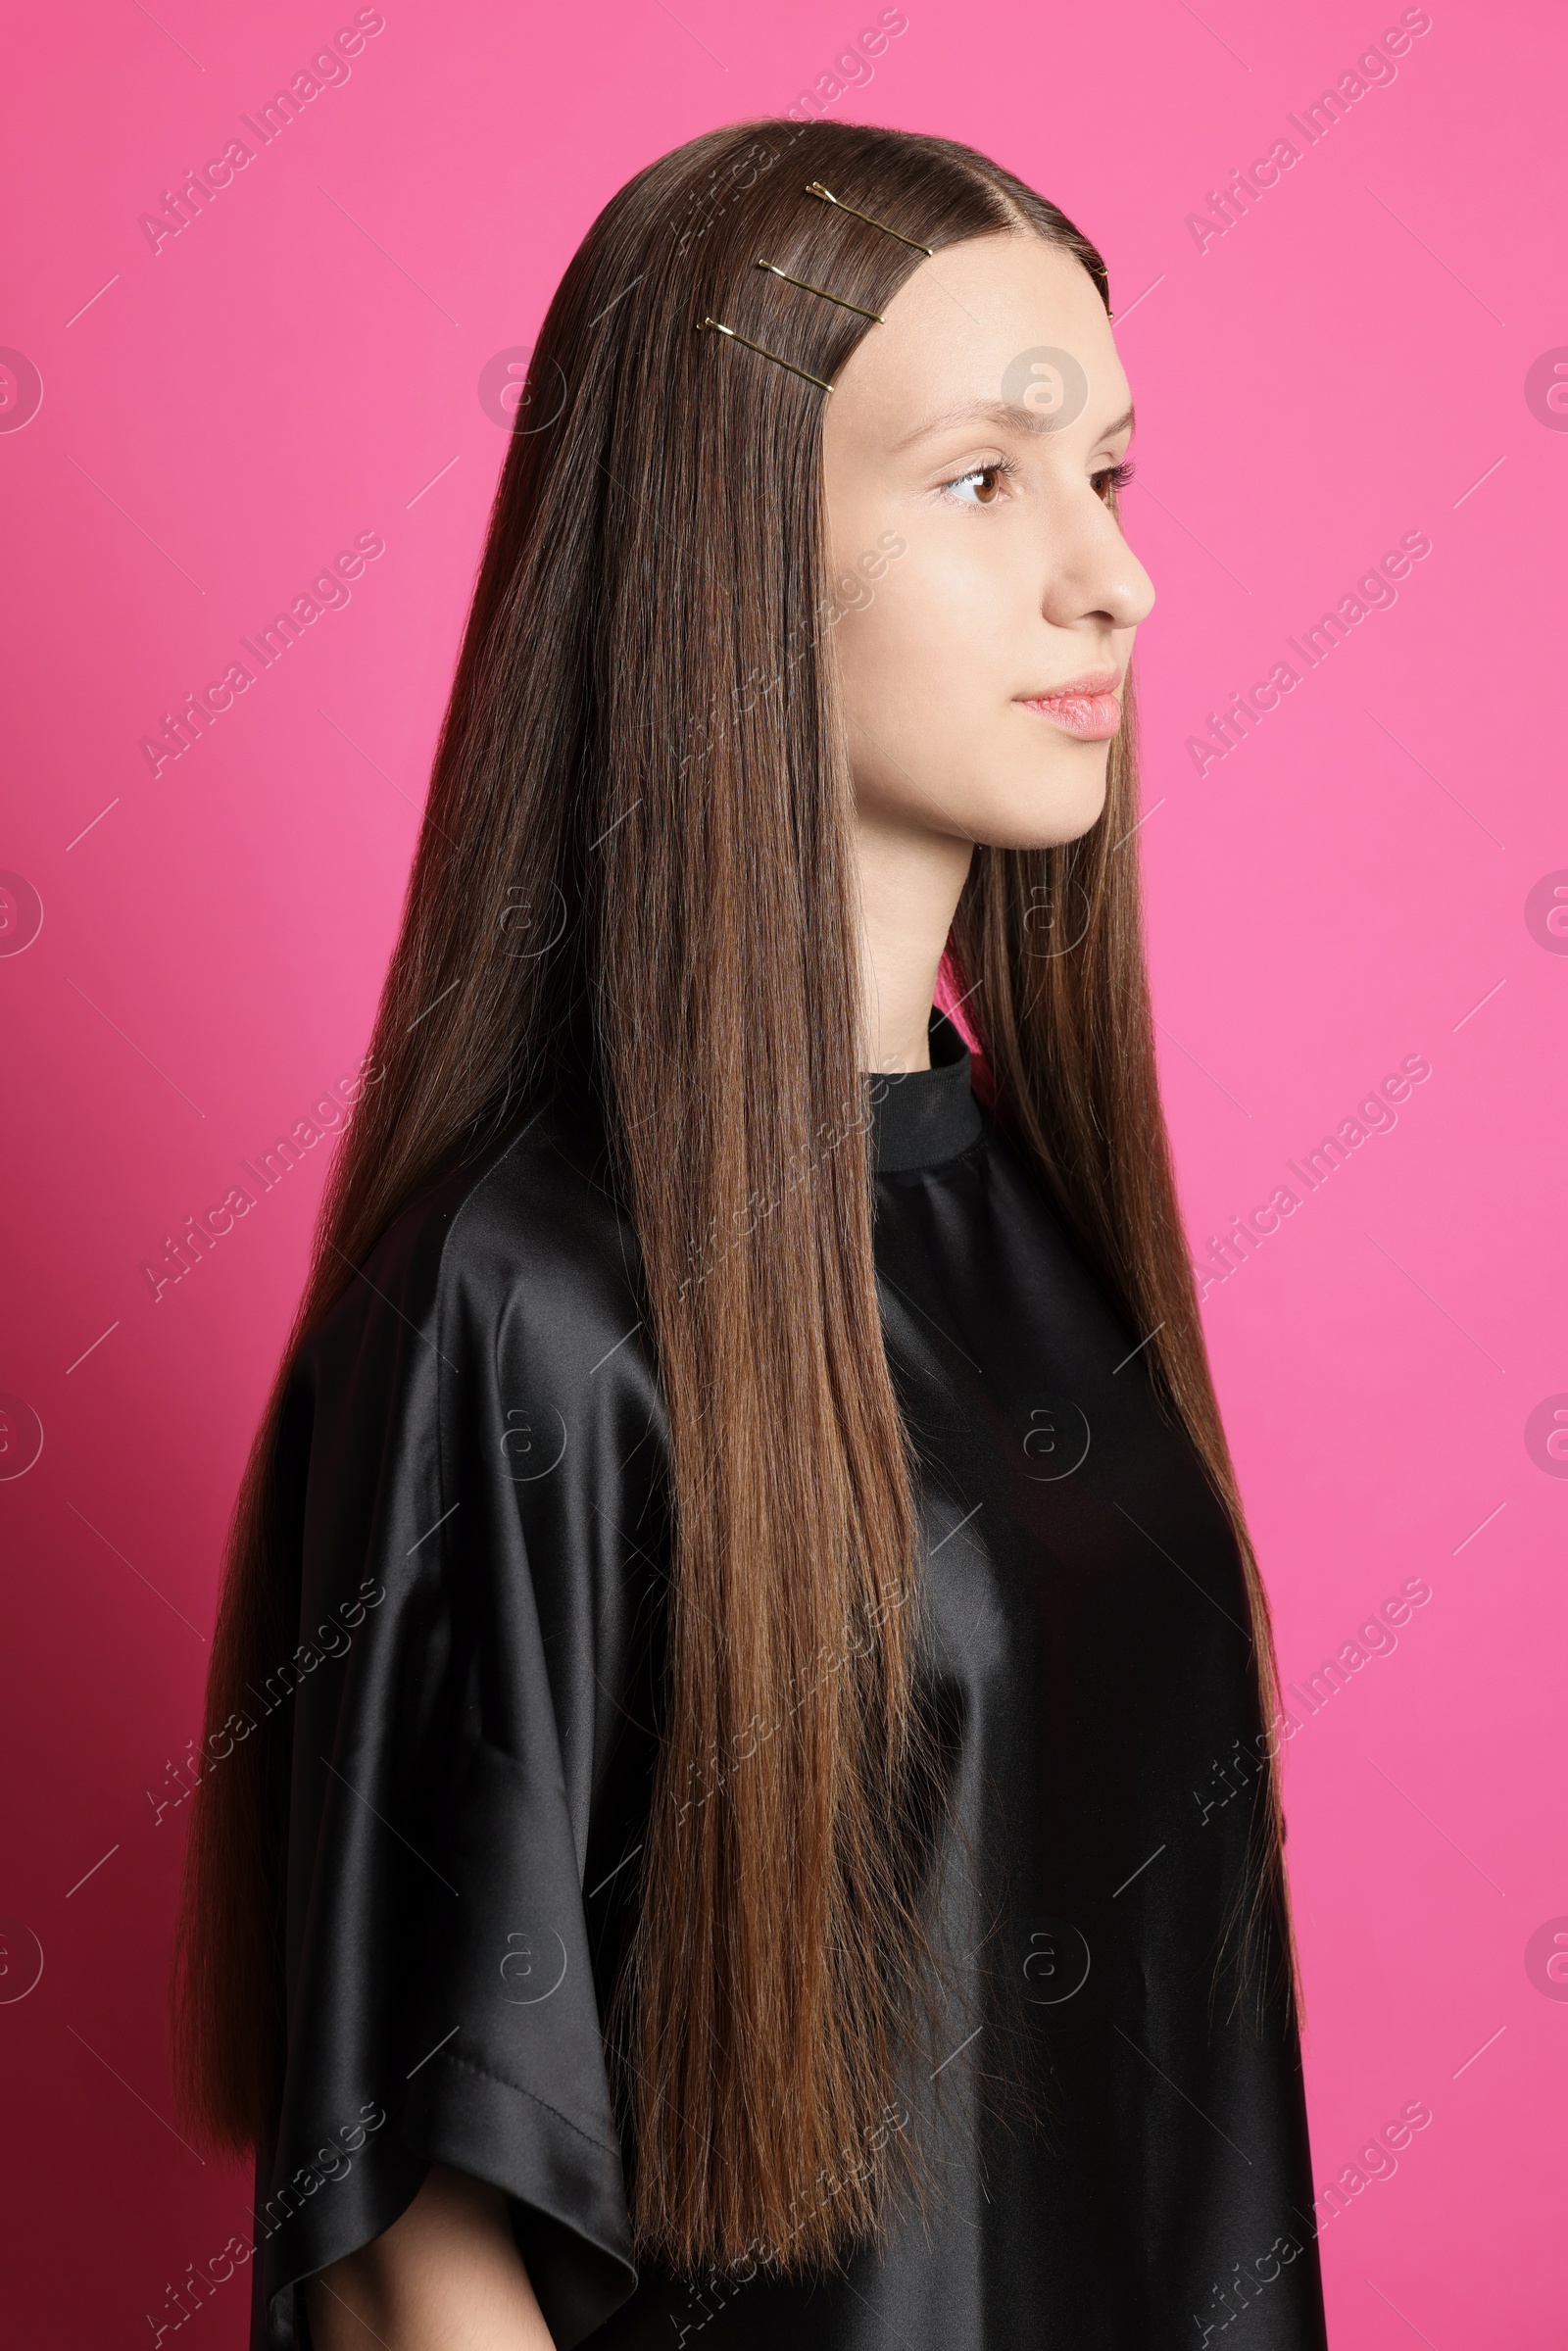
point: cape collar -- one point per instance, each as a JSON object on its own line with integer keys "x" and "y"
{"x": 922, "y": 1117}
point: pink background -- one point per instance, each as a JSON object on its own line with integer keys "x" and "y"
{"x": 1345, "y": 363}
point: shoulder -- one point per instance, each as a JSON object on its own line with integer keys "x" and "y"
{"x": 532, "y": 1233}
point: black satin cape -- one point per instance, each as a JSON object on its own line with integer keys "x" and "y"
{"x": 471, "y": 1477}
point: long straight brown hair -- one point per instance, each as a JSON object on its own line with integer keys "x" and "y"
{"x": 640, "y": 814}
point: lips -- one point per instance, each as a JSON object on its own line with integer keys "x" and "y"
{"x": 1087, "y": 706}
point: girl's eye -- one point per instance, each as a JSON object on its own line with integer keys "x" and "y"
{"x": 987, "y": 481}
{"x": 1111, "y": 478}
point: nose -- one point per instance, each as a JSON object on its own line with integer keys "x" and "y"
{"x": 1091, "y": 572}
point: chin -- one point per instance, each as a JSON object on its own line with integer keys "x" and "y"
{"x": 1035, "y": 812}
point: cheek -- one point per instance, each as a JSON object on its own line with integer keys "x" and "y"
{"x": 907, "y": 686}
{"x": 928, "y": 669}
{"x": 915, "y": 666}
{"x": 935, "y": 629}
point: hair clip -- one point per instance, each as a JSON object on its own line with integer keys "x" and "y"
{"x": 807, "y": 286}
{"x": 814, "y": 187}
{"x": 721, "y": 329}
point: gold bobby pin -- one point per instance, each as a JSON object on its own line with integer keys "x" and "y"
{"x": 814, "y": 187}
{"x": 807, "y": 287}
{"x": 721, "y": 329}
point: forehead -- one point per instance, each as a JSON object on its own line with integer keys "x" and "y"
{"x": 994, "y": 318}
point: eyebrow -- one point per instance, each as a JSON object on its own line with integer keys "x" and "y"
{"x": 1002, "y": 411}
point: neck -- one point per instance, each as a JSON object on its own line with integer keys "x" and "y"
{"x": 910, "y": 885}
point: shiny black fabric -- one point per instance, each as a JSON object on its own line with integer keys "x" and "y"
{"x": 472, "y": 1476}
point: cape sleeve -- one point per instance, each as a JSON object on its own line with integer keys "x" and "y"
{"x": 441, "y": 1996}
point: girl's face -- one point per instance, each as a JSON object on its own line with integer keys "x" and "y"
{"x": 989, "y": 597}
